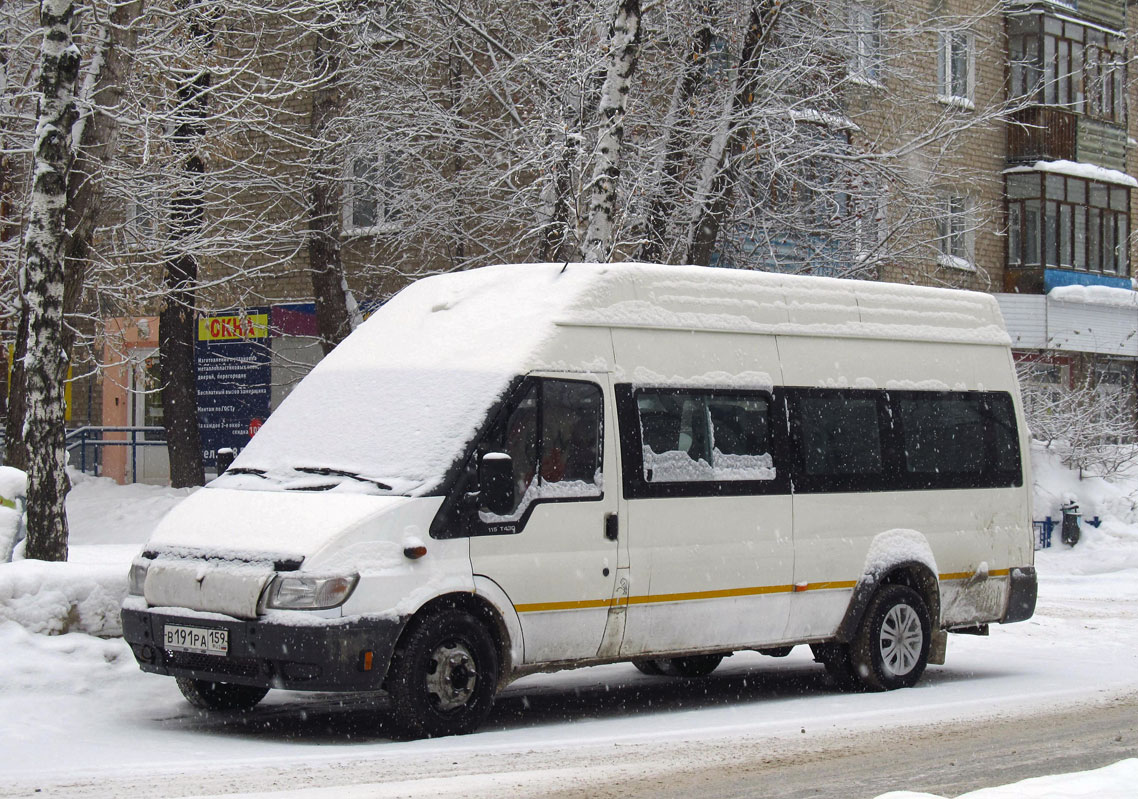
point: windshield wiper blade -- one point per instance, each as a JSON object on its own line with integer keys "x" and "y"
{"x": 326, "y": 471}
{"x": 244, "y": 470}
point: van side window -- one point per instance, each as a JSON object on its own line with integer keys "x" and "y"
{"x": 701, "y": 436}
{"x": 564, "y": 461}
{"x": 957, "y": 439}
{"x": 839, "y": 433}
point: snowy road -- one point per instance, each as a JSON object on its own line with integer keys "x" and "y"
{"x": 84, "y": 721}
{"x": 1056, "y": 693}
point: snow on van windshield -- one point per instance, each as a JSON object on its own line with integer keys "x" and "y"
{"x": 397, "y": 402}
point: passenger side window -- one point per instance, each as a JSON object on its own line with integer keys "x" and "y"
{"x": 839, "y": 434}
{"x": 957, "y": 439}
{"x": 942, "y": 434}
{"x": 689, "y": 436}
{"x": 564, "y": 461}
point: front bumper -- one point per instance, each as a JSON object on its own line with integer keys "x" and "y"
{"x": 299, "y": 657}
{"x": 1023, "y": 589}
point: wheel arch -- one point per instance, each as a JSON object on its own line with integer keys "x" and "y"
{"x": 915, "y": 574}
{"x": 481, "y": 608}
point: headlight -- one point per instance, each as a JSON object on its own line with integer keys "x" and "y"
{"x": 296, "y": 592}
{"x": 136, "y": 579}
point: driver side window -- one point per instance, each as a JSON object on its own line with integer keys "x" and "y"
{"x": 553, "y": 434}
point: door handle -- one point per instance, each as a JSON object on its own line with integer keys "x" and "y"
{"x": 612, "y": 528}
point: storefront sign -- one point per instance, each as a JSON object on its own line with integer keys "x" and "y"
{"x": 233, "y": 378}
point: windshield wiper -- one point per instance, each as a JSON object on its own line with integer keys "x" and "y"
{"x": 244, "y": 470}
{"x": 326, "y": 471}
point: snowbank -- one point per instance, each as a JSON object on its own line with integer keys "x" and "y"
{"x": 108, "y": 524}
{"x": 56, "y": 598}
{"x": 1113, "y": 782}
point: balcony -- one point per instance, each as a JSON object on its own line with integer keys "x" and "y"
{"x": 1041, "y": 133}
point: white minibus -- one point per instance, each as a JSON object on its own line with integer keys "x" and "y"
{"x": 536, "y": 467}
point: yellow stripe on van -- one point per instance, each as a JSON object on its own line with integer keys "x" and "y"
{"x": 970, "y": 575}
{"x": 727, "y": 593}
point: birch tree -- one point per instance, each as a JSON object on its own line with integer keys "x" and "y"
{"x": 42, "y": 284}
{"x": 624, "y": 47}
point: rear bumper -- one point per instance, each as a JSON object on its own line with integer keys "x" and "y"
{"x": 302, "y": 657}
{"x": 1023, "y": 589}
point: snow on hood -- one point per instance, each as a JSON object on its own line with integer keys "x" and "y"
{"x": 400, "y": 399}
{"x": 263, "y": 526}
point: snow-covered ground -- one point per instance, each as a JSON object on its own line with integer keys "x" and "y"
{"x": 74, "y": 708}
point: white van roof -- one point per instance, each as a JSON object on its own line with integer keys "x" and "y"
{"x": 704, "y": 298}
{"x": 402, "y": 397}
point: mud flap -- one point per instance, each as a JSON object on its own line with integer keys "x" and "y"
{"x": 938, "y": 648}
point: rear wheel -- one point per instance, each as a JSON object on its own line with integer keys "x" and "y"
{"x": 443, "y": 675}
{"x": 891, "y": 648}
{"x": 209, "y": 695}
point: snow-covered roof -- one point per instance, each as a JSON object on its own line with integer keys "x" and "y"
{"x": 401, "y": 398}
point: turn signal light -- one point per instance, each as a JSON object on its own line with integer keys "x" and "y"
{"x": 414, "y": 553}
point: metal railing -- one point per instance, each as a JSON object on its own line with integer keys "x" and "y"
{"x": 90, "y": 441}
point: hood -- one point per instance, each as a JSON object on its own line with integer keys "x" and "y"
{"x": 263, "y": 526}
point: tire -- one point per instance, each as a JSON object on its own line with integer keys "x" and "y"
{"x": 649, "y": 667}
{"x": 690, "y": 667}
{"x": 209, "y": 695}
{"x": 443, "y": 675}
{"x": 891, "y": 648}
{"x": 835, "y": 657}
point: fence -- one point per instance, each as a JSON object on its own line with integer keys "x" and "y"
{"x": 90, "y": 441}
{"x": 1044, "y": 528}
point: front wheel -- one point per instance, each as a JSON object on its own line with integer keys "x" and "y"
{"x": 209, "y": 695}
{"x": 891, "y": 648}
{"x": 443, "y": 675}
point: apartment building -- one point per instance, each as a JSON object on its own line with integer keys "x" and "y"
{"x": 1067, "y": 292}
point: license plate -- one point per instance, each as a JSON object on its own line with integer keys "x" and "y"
{"x": 195, "y": 639}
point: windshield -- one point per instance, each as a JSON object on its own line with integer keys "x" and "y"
{"x": 376, "y": 431}
{"x": 394, "y": 405}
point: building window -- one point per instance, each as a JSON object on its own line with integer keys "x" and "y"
{"x": 954, "y": 68}
{"x": 954, "y": 232}
{"x": 865, "y": 45}
{"x": 370, "y": 201}
{"x": 1067, "y": 64}
{"x": 1066, "y": 222}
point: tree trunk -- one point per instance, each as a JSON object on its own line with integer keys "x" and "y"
{"x": 662, "y": 208}
{"x": 45, "y": 363}
{"x": 176, "y": 329}
{"x": 176, "y": 337}
{"x": 15, "y": 451}
{"x": 325, "y": 266}
{"x": 716, "y": 199}
{"x": 97, "y": 141}
{"x": 624, "y": 47}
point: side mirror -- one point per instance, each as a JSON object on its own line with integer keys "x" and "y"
{"x": 496, "y": 483}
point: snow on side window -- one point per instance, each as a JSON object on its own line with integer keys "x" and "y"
{"x": 704, "y": 437}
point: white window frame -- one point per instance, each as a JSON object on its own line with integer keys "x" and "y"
{"x": 386, "y": 217}
{"x": 955, "y": 233}
{"x": 950, "y": 43}
{"x": 866, "y": 59}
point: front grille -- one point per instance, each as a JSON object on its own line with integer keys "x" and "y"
{"x": 211, "y": 664}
